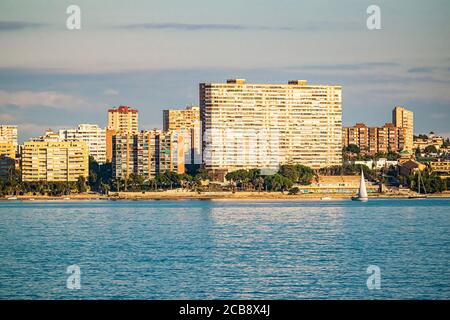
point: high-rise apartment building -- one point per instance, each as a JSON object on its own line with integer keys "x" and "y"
{"x": 8, "y": 134}
{"x": 372, "y": 140}
{"x": 109, "y": 145}
{"x": 147, "y": 153}
{"x": 186, "y": 122}
{"x": 54, "y": 161}
{"x": 404, "y": 118}
{"x": 121, "y": 120}
{"x": 7, "y": 158}
{"x": 124, "y": 155}
{"x": 93, "y": 135}
{"x": 160, "y": 151}
{"x": 395, "y": 137}
{"x": 265, "y": 125}
{"x": 180, "y": 119}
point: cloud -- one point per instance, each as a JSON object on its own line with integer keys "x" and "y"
{"x": 305, "y": 26}
{"x": 6, "y": 117}
{"x": 438, "y": 115}
{"x": 421, "y": 70}
{"x": 18, "y": 25}
{"x": 184, "y": 26}
{"x": 349, "y": 66}
{"x": 110, "y": 92}
{"x": 198, "y": 26}
{"x": 40, "y": 98}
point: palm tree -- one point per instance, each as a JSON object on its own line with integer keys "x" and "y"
{"x": 104, "y": 187}
{"x": 259, "y": 183}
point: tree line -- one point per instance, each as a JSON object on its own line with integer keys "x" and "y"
{"x": 432, "y": 182}
{"x": 353, "y": 152}
{"x": 100, "y": 180}
{"x": 12, "y": 184}
{"x": 282, "y": 180}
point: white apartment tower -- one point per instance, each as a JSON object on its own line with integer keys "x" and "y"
{"x": 93, "y": 135}
{"x": 265, "y": 125}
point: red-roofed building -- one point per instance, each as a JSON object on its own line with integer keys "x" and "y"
{"x": 121, "y": 120}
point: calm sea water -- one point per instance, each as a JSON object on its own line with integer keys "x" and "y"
{"x": 225, "y": 249}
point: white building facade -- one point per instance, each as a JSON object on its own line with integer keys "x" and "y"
{"x": 265, "y": 125}
{"x": 93, "y": 135}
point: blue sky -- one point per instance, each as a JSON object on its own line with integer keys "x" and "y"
{"x": 151, "y": 55}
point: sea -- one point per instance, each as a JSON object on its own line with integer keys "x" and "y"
{"x": 225, "y": 249}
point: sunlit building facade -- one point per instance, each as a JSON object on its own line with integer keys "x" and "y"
{"x": 122, "y": 120}
{"x": 8, "y": 134}
{"x": 265, "y": 125}
{"x": 54, "y": 161}
{"x": 373, "y": 140}
{"x": 147, "y": 154}
{"x": 404, "y": 118}
{"x": 187, "y": 123}
{"x": 93, "y": 135}
{"x": 49, "y": 136}
{"x": 7, "y": 158}
{"x": 124, "y": 155}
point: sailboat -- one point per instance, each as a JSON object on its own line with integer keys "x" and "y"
{"x": 362, "y": 194}
{"x": 419, "y": 195}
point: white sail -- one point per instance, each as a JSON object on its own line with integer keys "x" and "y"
{"x": 362, "y": 187}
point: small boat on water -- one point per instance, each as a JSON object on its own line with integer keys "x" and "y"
{"x": 362, "y": 194}
{"x": 12, "y": 198}
{"x": 419, "y": 195}
{"x": 326, "y": 198}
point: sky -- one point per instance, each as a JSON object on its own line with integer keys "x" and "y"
{"x": 151, "y": 55}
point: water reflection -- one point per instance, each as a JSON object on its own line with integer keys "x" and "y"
{"x": 273, "y": 250}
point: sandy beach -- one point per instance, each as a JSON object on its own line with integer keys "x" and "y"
{"x": 185, "y": 195}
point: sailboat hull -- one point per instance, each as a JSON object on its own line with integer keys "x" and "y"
{"x": 360, "y": 199}
{"x": 417, "y": 197}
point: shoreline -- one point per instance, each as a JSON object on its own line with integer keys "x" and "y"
{"x": 238, "y": 196}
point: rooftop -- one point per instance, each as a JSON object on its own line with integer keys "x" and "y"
{"x": 123, "y": 109}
